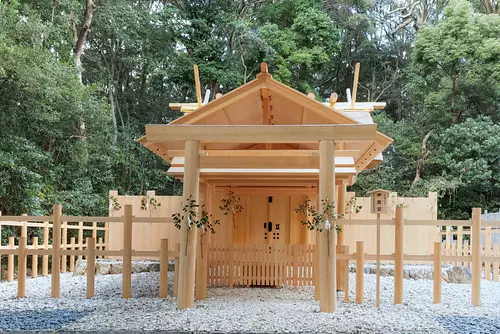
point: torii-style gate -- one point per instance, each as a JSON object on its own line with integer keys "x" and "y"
{"x": 281, "y": 143}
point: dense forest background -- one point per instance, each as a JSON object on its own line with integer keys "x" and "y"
{"x": 79, "y": 79}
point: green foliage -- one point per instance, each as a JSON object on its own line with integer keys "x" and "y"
{"x": 319, "y": 220}
{"x": 200, "y": 220}
{"x": 231, "y": 204}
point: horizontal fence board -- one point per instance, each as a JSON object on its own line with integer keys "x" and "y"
{"x": 359, "y": 222}
{"x": 493, "y": 223}
{"x": 25, "y": 218}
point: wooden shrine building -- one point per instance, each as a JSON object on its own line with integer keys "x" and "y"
{"x": 266, "y": 138}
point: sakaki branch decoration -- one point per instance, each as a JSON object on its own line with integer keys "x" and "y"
{"x": 319, "y": 220}
{"x": 231, "y": 205}
{"x": 195, "y": 219}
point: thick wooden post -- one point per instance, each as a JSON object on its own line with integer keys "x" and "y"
{"x": 327, "y": 254}
{"x": 188, "y": 236}
{"x": 341, "y": 202}
{"x": 21, "y": 268}
{"x": 437, "y": 271}
{"x": 164, "y": 268}
{"x": 127, "y": 253}
{"x": 201, "y": 249}
{"x": 176, "y": 270}
{"x": 34, "y": 259}
{"x": 360, "y": 272}
{"x": 10, "y": 261}
{"x": 476, "y": 256}
{"x": 45, "y": 258}
{"x": 90, "y": 267}
{"x": 56, "y": 252}
{"x": 398, "y": 256}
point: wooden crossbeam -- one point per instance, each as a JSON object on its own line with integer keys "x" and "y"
{"x": 260, "y": 133}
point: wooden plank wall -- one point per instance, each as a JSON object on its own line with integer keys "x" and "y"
{"x": 417, "y": 239}
{"x": 146, "y": 237}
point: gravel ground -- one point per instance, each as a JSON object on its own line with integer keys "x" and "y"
{"x": 245, "y": 310}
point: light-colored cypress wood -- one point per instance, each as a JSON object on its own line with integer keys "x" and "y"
{"x": 460, "y": 244}
{"x": 10, "y": 261}
{"x": 56, "y": 252}
{"x": 438, "y": 253}
{"x": 231, "y": 267}
{"x": 45, "y": 258}
{"x": 127, "y": 253}
{"x": 360, "y": 272}
{"x": 487, "y": 252}
{"x": 476, "y": 256}
{"x": 448, "y": 242}
{"x": 316, "y": 274}
{"x": 90, "y": 267}
{"x": 467, "y": 252}
{"x": 80, "y": 239}
{"x": 345, "y": 250}
{"x": 34, "y": 259}
{"x": 327, "y": 254}
{"x": 341, "y": 202}
{"x": 176, "y": 271}
{"x": 21, "y": 268}
{"x": 164, "y": 268}
{"x": 64, "y": 245}
{"x": 377, "y": 287}
{"x": 399, "y": 256}
{"x": 72, "y": 257}
{"x": 188, "y": 236}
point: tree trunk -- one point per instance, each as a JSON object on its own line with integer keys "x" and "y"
{"x": 454, "y": 115}
{"x": 82, "y": 37}
{"x": 424, "y": 153}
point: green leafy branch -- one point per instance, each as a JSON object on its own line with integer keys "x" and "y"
{"x": 352, "y": 207}
{"x": 194, "y": 218}
{"x": 152, "y": 202}
{"x": 319, "y": 220}
{"x": 231, "y": 205}
{"x": 115, "y": 203}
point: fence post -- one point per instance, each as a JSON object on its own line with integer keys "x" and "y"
{"x": 80, "y": 239}
{"x": 127, "y": 253}
{"x": 398, "y": 256}
{"x": 176, "y": 270}
{"x": 164, "y": 268}
{"x": 438, "y": 254}
{"x": 101, "y": 246}
{"x": 345, "y": 250}
{"x": 72, "y": 257}
{"x": 476, "y": 256}
{"x": 64, "y": 245}
{"x": 45, "y": 258}
{"x": 10, "y": 261}
{"x": 34, "y": 259}
{"x": 56, "y": 252}
{"x": 90, "y": 267}
{"x": 21, "y": 268}
{"x": 360, "y": 272}
{"x": 487, "y": 252}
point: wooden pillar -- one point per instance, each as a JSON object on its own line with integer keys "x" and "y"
{"x": 127, "y": 253}
{"x": 34, "y": 259}
{"x": 345, "y": 273}
{"x": 90, "y": 267}
{"x": 21, "y": 268}
{"x": 437, "y": 271}
{"x": 398, "y": 256}
{"x": 72, "y": 257}
{"x": 45, "y": 258}
{"x": 327, "y": 251}
{"x": 202, "y": 249}
{"x": 340, "y": 203}
{"x": 487, "y": 252}
{"x": 10, "y": 261}
{"x": 164, "y": 268}
{"x": 476, "y": 256}
{"x": 56, "y": 252}
{"x": 64, "y": 245}
{"x": 360, "y": 272}
{"x": 176, "y": 270}
{"x": 316, "y": 274}
{"x": 188, "y": 236}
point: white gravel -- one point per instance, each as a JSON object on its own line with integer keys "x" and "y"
{"x": 245, "y": 310}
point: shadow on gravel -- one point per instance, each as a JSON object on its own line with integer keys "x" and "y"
{"x": 38, "y": 320}
{"x": 459, "y": 324}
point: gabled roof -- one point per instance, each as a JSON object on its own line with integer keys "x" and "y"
{"x": 265, "y": 101}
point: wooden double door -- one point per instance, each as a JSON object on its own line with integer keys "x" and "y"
{"x": 270, "y": 220}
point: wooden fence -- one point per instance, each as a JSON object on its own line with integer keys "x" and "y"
{"x": 260, "y": 265}
{"x": 58, "y": 250}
